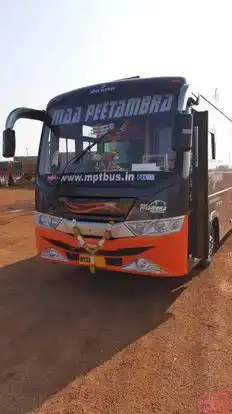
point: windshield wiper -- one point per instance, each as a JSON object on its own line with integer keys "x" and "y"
{"x": 76, "y": 157}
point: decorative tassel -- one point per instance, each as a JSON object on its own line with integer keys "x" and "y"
{"x": 81, "y": 240}
{"x": 92, "y": 263}
{"x": 107, "y": 234}
{"x": 76, "y": 232}
{"x": 101, "y": 242}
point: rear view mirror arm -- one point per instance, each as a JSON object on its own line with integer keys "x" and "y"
{"x": 27, "y": 113}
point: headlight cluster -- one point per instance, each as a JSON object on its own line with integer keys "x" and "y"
{"x": 47, "y": 221}
{"x": 156, "y": 227}
{"x": 53, "y": 254}
{"x": 144, "y": 265}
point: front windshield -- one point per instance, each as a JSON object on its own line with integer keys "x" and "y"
{"x": 128, "y": 145}
{"x": 131, "y": 146}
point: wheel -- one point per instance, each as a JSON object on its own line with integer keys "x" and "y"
{"x": 212, "y": 248}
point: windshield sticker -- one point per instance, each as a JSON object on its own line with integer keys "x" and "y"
{"x": 101, "y": 89}
{"x": 145, "y": 166}
{"x": 110, "y": 110}
{"x": 47, "y": 221}
{"x": 104, "y": 177}
{"x": 157, "y": 206}
{"x": 107, "y": 161}
{"x": 51, "y": 178}
{"x": 99, "y": 130}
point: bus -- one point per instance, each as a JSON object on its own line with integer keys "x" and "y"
{"x": 132, "y": 176}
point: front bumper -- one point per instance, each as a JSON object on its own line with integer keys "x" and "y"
{"x": 162, "y": 255}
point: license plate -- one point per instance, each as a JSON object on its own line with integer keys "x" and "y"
{"x": 84, "y": 259}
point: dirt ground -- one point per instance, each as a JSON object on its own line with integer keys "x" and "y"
{"x": 72, "y": 342}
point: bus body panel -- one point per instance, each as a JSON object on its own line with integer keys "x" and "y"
{"x": 211, "y": 192}
{"x": 167, "y": 252}
{"x": 219, "y": 181}
{"x": 201, "y": 191}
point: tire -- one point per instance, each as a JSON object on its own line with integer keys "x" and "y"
{"x": 212, "y": 248}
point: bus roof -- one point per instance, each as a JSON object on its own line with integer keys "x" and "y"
{"x": 160, "y": 83}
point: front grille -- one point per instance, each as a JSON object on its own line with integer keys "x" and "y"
{"x": 72, "y": 256}
{"x": 113, "y": 261}
{"x": 126, "y": 251}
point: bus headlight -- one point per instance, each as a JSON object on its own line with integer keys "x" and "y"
{"x": 53, "y": 254}
{"x": 155, "y": 227}
{"x": 49, "y": 222}
{"x": 144, "y": 265}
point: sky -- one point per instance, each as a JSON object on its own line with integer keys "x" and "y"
{"x": 48, "y": 47}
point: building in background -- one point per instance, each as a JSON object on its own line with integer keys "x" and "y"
{"x": 21, "y": 168}
{"x": 28, "y": 164}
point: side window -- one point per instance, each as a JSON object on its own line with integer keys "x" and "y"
{"x": 87, "y": 143}
{"x": 66, "y": 150}
{"x": 162, "y": 151}
{"x": 49, "y": 147}
{"x": 163, "y": 141}
{"x": 66, "y": 145}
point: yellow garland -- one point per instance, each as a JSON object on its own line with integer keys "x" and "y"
{"x": 92, "y": 249}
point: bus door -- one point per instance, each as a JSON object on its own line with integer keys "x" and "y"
{"x": 198, "y": 211}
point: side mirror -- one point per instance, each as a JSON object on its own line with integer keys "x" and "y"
{"x": 8, "y": 143}
{"x": 182, "y": 132}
